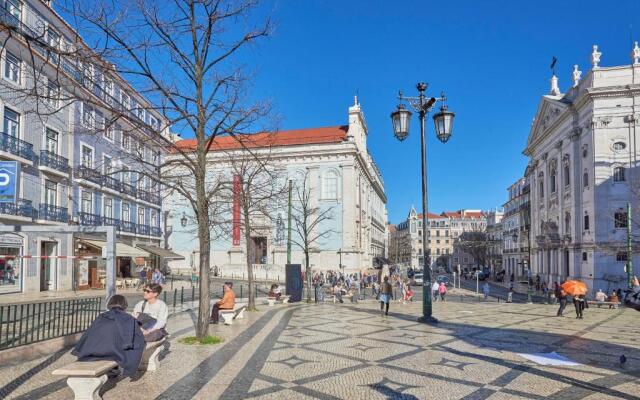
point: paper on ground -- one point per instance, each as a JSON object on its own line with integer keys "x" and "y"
{"x": 552, "y": 358}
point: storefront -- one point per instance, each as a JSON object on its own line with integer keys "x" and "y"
{"x": 11, "y": 273}
{"x": 92, "y": 268}
{"x": 160, "y": 257}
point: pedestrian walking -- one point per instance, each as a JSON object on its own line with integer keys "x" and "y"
{"x": 485, "y": 290}
{"x": 510, "y": 296}
{"x": 435, "y": 288}
{"x": 442, "y": 290}
{"x": 562, "y": 297}
{"x": 385, "y": 296}
{"x": 580, "y": 303}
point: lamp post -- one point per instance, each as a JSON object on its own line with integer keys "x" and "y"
{"x": 443, "y": 122}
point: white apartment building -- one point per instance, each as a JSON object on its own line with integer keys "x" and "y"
{"x": 515, "y": 231}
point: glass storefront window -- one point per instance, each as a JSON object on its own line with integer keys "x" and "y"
{"x": 10, "y": 271}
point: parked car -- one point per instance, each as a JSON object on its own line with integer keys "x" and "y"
{"x": 443, "y": 278}
{"x": 417, "y": 278}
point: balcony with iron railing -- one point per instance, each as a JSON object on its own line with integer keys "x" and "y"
{"x": 16, "y": 147}
{"x": 143, "y": 229}
{"x": 54, "y": 161}
{"x": 156, "y": 231}
{"x": 112, "y": 183}
{"x": 88, "y": 174}
{"x": 89, "y": 219}
{"x": 21, "y": 208}
{"x": 51, "y": 212}
{"x": 127, "y": 226}
{"x": 128, "y": 189}
{"x": 109, "y": 221}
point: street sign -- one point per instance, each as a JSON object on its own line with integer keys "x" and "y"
{"x": 8, "y": 181}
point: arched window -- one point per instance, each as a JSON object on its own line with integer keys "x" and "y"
{"x": 566, "y": 170}
{"x": 585, "y": 179}
{"x": 618, "y": 174}
{"x": 330, "y": 185}
{"x": 552, "y": 180}
{"x": 541, "y": 185}
{"x": 567, "y": 223}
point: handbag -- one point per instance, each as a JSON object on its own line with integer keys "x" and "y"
{"x": 146, "y": 321}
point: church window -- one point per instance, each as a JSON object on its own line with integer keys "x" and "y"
{"x": 330, "y": 185}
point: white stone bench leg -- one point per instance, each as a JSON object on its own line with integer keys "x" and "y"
{"x": 228, "y": 318}
{"x": 240, "y": 314}
{"x": 86, "y": 388}
{"x": 271, "y": 302}
{"x": 154, "y": 363}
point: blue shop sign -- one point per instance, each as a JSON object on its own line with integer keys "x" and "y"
{"x": 8, "y": 181}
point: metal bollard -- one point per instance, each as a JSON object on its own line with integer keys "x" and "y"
{"x": 240, "y": 290}
{"x": 182, "y": 295}
{"x": 175, "y": 296}
{"x": 193, "y": 293}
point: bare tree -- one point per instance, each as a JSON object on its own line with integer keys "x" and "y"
{"x": 310, "y": 223}
{"x": 255, "y": 185}
{"x": 474, "y": 243}
{"x": 181, "y": 57}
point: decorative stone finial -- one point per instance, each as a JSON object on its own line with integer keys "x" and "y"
{"x": 555, "y": 90}
{"x": 355, "y": 100}
{"x": 595, "y": 56}
{"x": 576, "y": 75}
{"x": 635, "y": 54}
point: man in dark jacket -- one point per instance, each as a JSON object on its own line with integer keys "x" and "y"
{"x": 114, "y": 335}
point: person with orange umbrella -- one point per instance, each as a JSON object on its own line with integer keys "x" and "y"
{"x": 578, "y": 290}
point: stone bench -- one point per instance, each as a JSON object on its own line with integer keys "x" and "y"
{"x": 272, "y": 300}
{"x": 85, "y": 378}
{"x": 611, "y": 304}
{"x": 229, "y": 315}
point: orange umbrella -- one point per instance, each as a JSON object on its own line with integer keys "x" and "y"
{"x": 575, "y": 288}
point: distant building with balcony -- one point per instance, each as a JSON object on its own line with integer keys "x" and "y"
{"x": 74, "y": 167}
{"x": 494, "y": 242}
{"x": 515, "y": 231}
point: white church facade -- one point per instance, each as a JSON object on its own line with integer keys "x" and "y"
{"x": 583, "y": 173}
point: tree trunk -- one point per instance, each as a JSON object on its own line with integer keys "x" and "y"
{"x": 251, "y": 306}
{"x": 204, "y": 240}
{"x": 308, "y": 275}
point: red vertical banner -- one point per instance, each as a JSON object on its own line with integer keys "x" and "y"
{"x": 236, "y": 210}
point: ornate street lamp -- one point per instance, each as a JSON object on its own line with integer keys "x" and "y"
{"x": 444, "y": 122}
{"x": 183, "y": 220}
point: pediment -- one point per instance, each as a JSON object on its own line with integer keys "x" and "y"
{"x": 549, "y": 110}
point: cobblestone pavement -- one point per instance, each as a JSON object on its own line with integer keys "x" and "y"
{"x": 345, "y": 351}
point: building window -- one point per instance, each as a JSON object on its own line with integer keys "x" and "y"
{"x": 141, "y": 216}
{"x": 87, "y": 156}
{"x": 330, "y": 185}
{"x": 585, "y": 179}
{"x": 11, "y": 122}
{"x": 154, "y": 218}
{"x": 567, "y": 223}
{"x": 584, "y": 256}
{"x": 126, "y": 141}
{"x": 620, "y": 219}
{"x": 126, "y": 212}
{"x": 52, "y": 93}
{"x": 108, "y": 207}
{"x": 619, "y": 146}
{"x": 586, "y": 222}
{"x": 50, "y": 193}
{"x": 87, "y": 116}
{"x": 12, "y": 67}
{"x": 126, "y": 175}
{"x": 566, "y": 172}
{"x": 552, "y": 181}
{"x": 14, "y": 7}
{"x": 621, "y": 256}
{"x": 86, "y": 202}
{"x": 437, "y": 233}
{"x": 618, "y": 174}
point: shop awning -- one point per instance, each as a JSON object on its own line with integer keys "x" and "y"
{"x": 159, "y": 251}
{"x": 122, "y": 250}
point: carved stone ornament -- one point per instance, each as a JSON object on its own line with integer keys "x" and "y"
{"x": 595, "y": 56}
{"x": 635, "y": 54}
{"x": 576, "y": 75}
{"x": 566, "y": 159}
{"x": 544, "y": 156}
{"x": 559, "y": 144}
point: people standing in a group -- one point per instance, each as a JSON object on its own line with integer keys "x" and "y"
{"x": 385, "y": 296}
{"x": 435, "y": 289}
{"x": 580, "y": 303}
{"x": 562, "y": 297}
{"x": 442, "y": 290}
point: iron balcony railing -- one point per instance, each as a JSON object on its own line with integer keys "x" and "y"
{"x": 89, "y": 174}
{"x": 111, "y": 183}
{"x": 52, "y": 160}
{"x": 51, "y": 212}
{"x": 128, "y": 189}
{"x": 144, "y": 195}
{"x": 109, "y": 221}
{"x": 156, "y": 231}
{"x": 143, "y": 229}
{"x": 21, "y": 208}
{"x": 22, "y": 324}
{"x": 18, "y": 147}
{"x": 89, "y": 219}
{"x": 128, "y": 226}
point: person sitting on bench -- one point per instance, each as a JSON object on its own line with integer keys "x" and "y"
{"x": 114, "y": 335}
{"x": 152, "y": 313}
{"x": 228, "y": 302}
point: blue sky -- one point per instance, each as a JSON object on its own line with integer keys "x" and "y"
{"x": 491, "y": 57}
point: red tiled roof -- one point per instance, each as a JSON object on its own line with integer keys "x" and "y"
{"x": 430, "y": 215}
{"x": 331, "y": 134}
{"x": 467, "y": 214}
